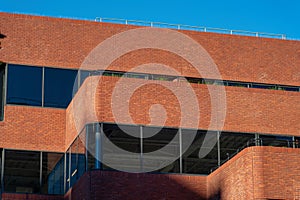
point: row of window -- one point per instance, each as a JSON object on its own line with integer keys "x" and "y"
{"x": 53, "y": 87}
{"x": 55, "y": 173}
{"x": 190, "y": 151}
{"x": 39, "y": 86}
{"x": 32, "y": 172}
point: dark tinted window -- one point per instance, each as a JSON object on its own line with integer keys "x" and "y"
{"x": 201, "y": 157}
{"x": 53, "y": 173}
{"x": 59, "y": 85}
{"x": 22, "y": 171}
{"x": 2, "y": 88}
{"x": 126, "y": 139}
{"x": 24, "y": 85}
{"x": 276, "y": 140}
{"x": 233, "y": 143}
{"x": 161, "y": 149}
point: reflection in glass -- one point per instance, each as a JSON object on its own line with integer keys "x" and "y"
{"x": 59, "y": 85}
{"x": 200, "y": 158}
{"x": 161, "y": 147}
{"x": 22, "y": 171}
{"x": 52, "y": 173}
{"x": 24, "y": 85}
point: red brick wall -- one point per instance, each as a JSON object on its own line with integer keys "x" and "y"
{"x": 33, "y": 128}
{"x": 65, "y": 43}
{"x": 119, "y": 185}
{"x": 247, "y": 110}
{"x": 258, "y": 173}
{"x": 234, "y": 179}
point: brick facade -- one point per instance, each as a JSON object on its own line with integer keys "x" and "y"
{"x": 255, "y": 173}
{"x": 46, "y": 41}
{"x": 33, "y": 128}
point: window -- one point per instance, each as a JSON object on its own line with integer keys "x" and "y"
{"x": 59, "y": 85}
{"x": 24, "y": 85}
{"x": 160, "y": 147}
{"x": 276, "y": 140}
{"x": 233, "y": 143}
{"x": 22, "y": 171}
{"x": 2, "y": 89}
{"x": 126, "y": 138}
{"x": 52, "y": 173}
{"x": 83, "y": 75}
{"x": 200, "y": 158}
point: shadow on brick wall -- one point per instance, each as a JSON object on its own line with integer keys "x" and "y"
{"x": 119, "y": 185}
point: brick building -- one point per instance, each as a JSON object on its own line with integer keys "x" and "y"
{"x": 54, "y": 145}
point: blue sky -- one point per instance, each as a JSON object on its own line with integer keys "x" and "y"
{"x": 272, "y": 16}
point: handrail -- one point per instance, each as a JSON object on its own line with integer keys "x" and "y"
{"x": 189, "y": 27}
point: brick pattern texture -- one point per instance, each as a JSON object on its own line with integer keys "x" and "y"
{"x": 33, "y": 128}
{"x": 247, "y": 110}
{"x": 65, "y": 43}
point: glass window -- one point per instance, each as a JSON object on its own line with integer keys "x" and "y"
{"x": 237, "y": 84}
{"x": 289, "y": 88}
{"x": 233, "y": 143}
{"x": 22, "y": 171}
{"x": 2, "y": 89}
{"x": 276, "y": 140}
{"x": 161, "y": 146}
{"x": 24, "y": 85}
{"x": 59, "y": 85}
{"x": 68, "y": 169}
{"x": 53, "y": 173}
{"x": 200, "y": 157}
{"x": 1, "y": 161}
{"x": 90, "y": 136}
{"x": 124, "y": 153}
{"x": 264, "y": 86}
{"x": 83, "y": 75}
{"x": 77, "y": 160}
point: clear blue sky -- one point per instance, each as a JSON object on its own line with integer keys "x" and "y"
{"x": 271, "y": 16}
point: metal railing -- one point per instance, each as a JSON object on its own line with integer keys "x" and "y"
{"x": 261, "y": 142}
{"x": 160, "y": 77}
{"x": 190, "y": 28}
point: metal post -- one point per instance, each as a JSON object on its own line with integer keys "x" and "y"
{"x": 141, "y": 149}
{"x": 219, "y": 151}
{"x": 65, "y": 172}
{"x": 86, "y": 148}
{"x": 293, "y": 141}
{"x": 41, "y": 170}
{"x": 98, "y": 152}
{"x": 257, "y": 143}
{"x": 180, "y": 150}
{"x": 78, "y": 80}
{"x": 2, "y": 170}
{"x": 70, "y": 163}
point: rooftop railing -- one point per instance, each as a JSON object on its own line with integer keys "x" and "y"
{"x": 190, "y": 28}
